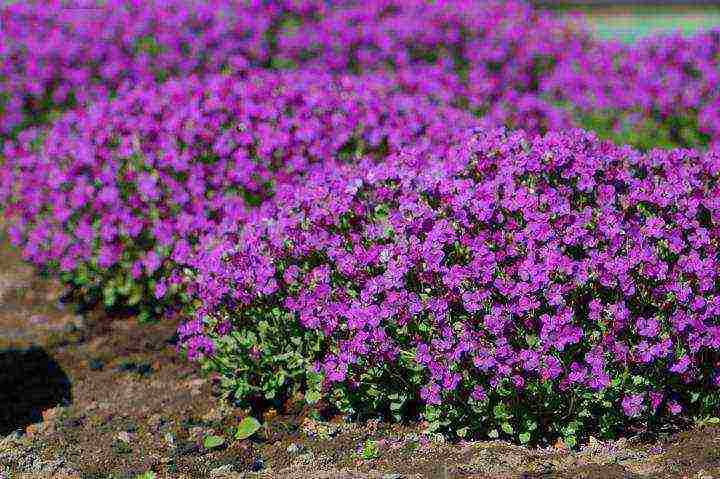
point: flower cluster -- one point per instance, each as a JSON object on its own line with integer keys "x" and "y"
{"x": 663, "y": 91}
{"x": 489, "y": 57}
{"x": 116, "y": 196}
{"x": 524, "y": 68}
{"x": 322, "y": 183}
{"x": 58, "y": 53}
{"x": 515, "y": 281}
{"x": 505, "y": 61}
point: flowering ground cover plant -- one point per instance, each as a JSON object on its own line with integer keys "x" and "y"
{"x": 524, "y": 68}
{"x": 523, "y": 287}
{"x": 320, "y": 181}
{"x": 660, "y": 92}
{"x": 117, "y": 196}
{"x": 503, "y": 60}
{"x": 55, "y": 53}
{"x": 488, "y": 57}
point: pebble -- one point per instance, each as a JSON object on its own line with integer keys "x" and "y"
{"x": 170, "y": 439}
{"x": 124, "y": 436}
{"x": 294, "y": 448}
{"x": 257, "y": 465}
{"x": 222, "y": 470}
{"x": 392, "y": 476}
{"x": 307, "y": 458}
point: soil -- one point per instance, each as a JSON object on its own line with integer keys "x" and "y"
{"x": 96, "y": 397}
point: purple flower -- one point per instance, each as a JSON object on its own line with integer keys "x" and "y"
{"x": 633, "y": 404}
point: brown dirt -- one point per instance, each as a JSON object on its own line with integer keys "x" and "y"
{"x": 87, "y": 396}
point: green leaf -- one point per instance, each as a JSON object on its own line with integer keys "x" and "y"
{"x": 524, "y": 437}
{"x": 500, "y": 412}
{"x": 211, "y": 442}
{"x": 370, "y": 450}
{"x": 247, "y": 428}
{"x": 462, "y": 432}
{"x": 311, "y": 397}
{"x": 146, "y": 475}
{"x": 506, "y": 427}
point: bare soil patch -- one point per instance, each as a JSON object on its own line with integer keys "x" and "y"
{"x": 89, "y": 396}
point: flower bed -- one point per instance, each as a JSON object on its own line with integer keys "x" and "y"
{"x": 56, "y": 54}
{"x": 504, "y": 61}
{"x": 522, "y": 287}
{"x": 117, "y": 196}
{"x": 321, "y": 184}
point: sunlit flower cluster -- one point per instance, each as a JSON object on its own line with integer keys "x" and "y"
{"x": 556, "y": 266}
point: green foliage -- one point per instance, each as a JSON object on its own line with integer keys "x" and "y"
{"x": 247, "y": 428}
{"x": 269, "y": 356}
{"x": 646, "y": 133}
{"x": 213, "y": 442}
{"x": 370, "y": 450}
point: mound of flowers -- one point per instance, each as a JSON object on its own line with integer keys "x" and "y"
{"x": 522, "y": 287}
{"x": 504, "y": 61}
{"x": 489, "y": 57}
{"x": 525, "y": 68}
{"x": 118, "y": 195}
{"x": 57, "y": 53}
{"x": 660, "y": 92}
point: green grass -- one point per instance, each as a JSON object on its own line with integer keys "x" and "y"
{"x": 628, "y": 23}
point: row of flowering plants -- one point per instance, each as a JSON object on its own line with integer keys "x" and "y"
{"x": 55, "y": 54}
{"x": 117, "y": 196}
{"x": 522, "y": 287}
{"x": 320, "y": 185}
{"x": 502, "y": 60}
{"x": 525, "y": 68}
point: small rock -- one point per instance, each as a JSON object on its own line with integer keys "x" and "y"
{"x": 222, "y": 470}
{"x": 124, "y": 436}
{"x": 169, "y": 439}
{"x": 213, "y": 415}
{"x": 195, "y": 383}
{"x": 294, "y": 448}
{"x": 307, "y": 458}
{"x": 96, "y": 365}
{"x": 438, "y": 438}
{"x": 257, "y": 465}
{"x": 50, "y": 414}
{"x": 392, "y": 476}
{"x": 38, "y": 319}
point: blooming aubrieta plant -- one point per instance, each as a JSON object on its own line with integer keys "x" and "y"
{"x": 505, "y": 61}
{"x": 117, "y": 196}
{"x": 529, "y": 287}
{"x": 57, "y": 53}
{"x": 322, "y": 186}
{"x": 660, "y": 92}
{"x": 524, "y": 68}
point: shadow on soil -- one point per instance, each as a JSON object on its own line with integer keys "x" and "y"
{"x": 30, "y": 382}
